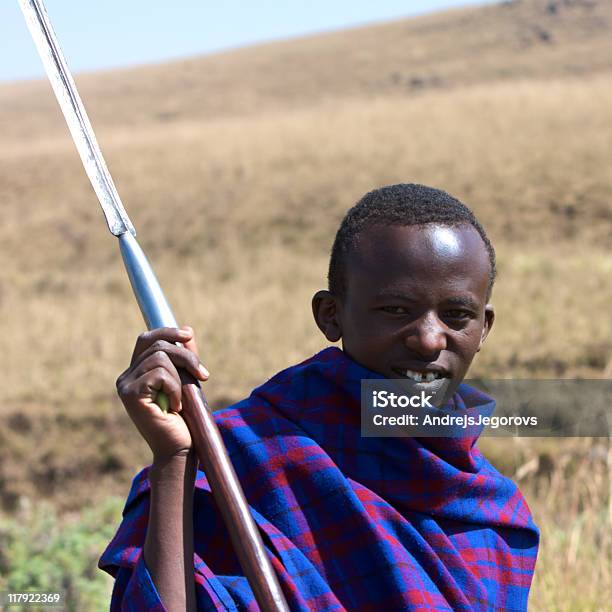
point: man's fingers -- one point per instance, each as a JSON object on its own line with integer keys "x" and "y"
{"x": 177, "y": 354}
{"x": 150, "y": 383}
{"x": 192, "y": 345}
{"x": 167, "y": 334}
{"x": 151, "y": 362}
{"x": 166, "y": 382}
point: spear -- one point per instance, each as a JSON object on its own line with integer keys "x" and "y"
{"x": 156, "y": 312}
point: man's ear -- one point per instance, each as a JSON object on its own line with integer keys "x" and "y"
{"x": 488, "y": 324}
{"x": 326, "y": 311}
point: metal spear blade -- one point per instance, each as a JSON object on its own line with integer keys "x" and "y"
{"x": 70, "y": 102}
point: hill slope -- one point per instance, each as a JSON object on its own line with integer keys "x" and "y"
{"x": 532, "y": 39}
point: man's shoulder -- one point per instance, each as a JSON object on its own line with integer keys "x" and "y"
{"x": 288, "y": 386}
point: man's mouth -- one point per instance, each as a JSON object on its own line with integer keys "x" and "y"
{"x": 422, "y": 376}
{"x": 433, "y": 380}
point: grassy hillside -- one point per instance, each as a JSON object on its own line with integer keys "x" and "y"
{"x": 236, "y": 169}
{"x": 521, "y": 39}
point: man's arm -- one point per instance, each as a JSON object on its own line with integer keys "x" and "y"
{"x": 168, "y": 548}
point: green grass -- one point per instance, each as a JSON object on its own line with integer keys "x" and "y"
{"x": 41, "y": 551}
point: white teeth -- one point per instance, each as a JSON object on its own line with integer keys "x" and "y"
{"x": 416, "y": 376}
{"x": 420, "y": 377}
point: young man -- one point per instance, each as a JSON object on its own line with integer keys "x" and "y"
{"x": 349, "y": 522}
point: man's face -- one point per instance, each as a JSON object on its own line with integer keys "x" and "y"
{"x": 415, "y": 305}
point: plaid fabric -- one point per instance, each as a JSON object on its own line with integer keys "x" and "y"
{"x": 350, "y": 523}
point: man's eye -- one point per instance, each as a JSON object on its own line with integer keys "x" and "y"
{"x": 458, "y": 314}
{"x": 395, "y": 309}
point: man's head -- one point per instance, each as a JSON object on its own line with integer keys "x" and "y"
{"x": 410, "y": 278}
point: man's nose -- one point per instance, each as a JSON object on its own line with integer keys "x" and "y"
{"x": 426, "y": 336}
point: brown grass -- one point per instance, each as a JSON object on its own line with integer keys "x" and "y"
{"x": 567, "y": 485}
{"x": 236, "y": 170}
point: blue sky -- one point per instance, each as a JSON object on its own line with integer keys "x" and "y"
{"x": 115, "y": 33}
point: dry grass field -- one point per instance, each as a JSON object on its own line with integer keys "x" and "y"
{"x": 236, "y": 169}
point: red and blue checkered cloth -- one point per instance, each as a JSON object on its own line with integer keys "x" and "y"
{"x": 349, "y": 523}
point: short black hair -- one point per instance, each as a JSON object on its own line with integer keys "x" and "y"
{"x": 402, "y": 204}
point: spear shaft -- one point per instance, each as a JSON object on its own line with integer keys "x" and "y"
{"x": 156, "y": 312}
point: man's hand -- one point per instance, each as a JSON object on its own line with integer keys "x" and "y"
{"x": 153, "y": 368}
